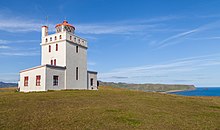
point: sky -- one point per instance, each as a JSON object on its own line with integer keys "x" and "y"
{"x": 132, "y": 41}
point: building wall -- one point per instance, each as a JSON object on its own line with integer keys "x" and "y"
{"x": 94, "y": 77}
{"x": 50, "y": 72}
{"x": 76, "y": 60}
{"x": 76, "y": 39}
{"x": 32, "y": 73}
{"x": 67, "y": 56}
{"x": 59, "y": 55}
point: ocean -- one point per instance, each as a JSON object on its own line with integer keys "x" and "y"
{"x": 202, "y": 91}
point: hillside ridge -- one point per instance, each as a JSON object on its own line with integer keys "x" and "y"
{"x": 5, "y": 85}
{"x": 149, "y": 87}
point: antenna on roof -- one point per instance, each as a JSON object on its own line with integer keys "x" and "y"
{"x": 47, "y": 20}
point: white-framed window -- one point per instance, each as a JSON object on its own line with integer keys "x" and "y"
{"x": 77, "y": 49}
{"x": 38, "y": 78}
{"x": 26, "y": 81}
{"x": 77, "y": 73}
{"x": 91, "y": 82}
{"x": 56, "y": 47}
{"x": 55, "y": 80}
{"x": 49, "y": 48}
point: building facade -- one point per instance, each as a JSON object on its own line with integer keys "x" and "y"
{"x": 63, "y": 63}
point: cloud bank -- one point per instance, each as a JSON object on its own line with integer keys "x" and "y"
{"x": 190, "y": 70}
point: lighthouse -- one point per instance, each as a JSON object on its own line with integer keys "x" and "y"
{"x": 63, "y": 63}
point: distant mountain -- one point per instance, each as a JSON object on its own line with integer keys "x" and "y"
{"x": 5, "y": 85}
{"x": 149, "y": 87}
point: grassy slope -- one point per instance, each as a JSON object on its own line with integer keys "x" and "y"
{"x": 108, "y": 108}
{"x": 149, "y": 87}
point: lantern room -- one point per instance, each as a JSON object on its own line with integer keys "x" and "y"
{"x": 65, "y": 26}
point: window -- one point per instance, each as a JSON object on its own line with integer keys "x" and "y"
{"x": 77, "y": 49}
{"x": 51, "y": 62}
{"x": 97, "y": 84}
{"x": 56, "y": 47}
{"x": 77, "y": 73}
{"x": 46, "y": 40}
{"x": 60, "y": 36}
{"x": 49, "y": 48}
{"x": 38, "y": 80}
{"x": 55, "y": 80}
{"x": 74, "y": 39}
{"x": 55, "y": 38}
{"x": 91, "y": 81}
{"x": 54, "y": 61}
{"x": 70, "y": 37}
{"x": 26, "y": 81}
{"x": 79, "y": 40}
{"x": 50, "y": 38}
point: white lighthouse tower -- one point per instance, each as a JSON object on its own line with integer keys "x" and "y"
{"x": 63, "y": 63}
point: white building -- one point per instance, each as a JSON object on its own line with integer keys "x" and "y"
{"x": 63, "y": 63}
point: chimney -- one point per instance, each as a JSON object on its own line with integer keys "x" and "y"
{"x": 44, "y": 31}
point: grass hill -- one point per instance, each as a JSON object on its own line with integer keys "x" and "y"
{"x": 108, "y": 108}
{"x": 149, "y": 87}
{"x": 4, "y": 85}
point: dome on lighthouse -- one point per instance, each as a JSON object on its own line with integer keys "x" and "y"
{"x": 65, "y": 26}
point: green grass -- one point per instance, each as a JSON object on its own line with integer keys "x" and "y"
{"x": 8, "y": 89}
{"x": 108, "y": 108}
{"x": 149, "y": 87}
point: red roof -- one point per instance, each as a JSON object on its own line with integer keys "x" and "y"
{"x": 65, "y": 23}
{"x": 44, "y": 26}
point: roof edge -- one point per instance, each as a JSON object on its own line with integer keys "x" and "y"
{"x": 47, "y": 65}
{"x": 93, "y": 72}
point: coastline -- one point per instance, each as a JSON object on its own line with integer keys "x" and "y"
{"x": 172, "y": 91}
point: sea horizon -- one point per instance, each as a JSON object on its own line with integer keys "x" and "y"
{"x": 200, "y": 91}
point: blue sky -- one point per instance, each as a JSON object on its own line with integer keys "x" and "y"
{"x": 144, "y": 41}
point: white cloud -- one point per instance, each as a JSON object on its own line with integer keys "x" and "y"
{"x": 14, "y": 23}
{"x": 115, "y": 28}
{"x": 169, "y": 40}
{"x": 91, "y": 63}
{"x": 9, "y": 77}
{"x": 17, "y": 41}
{"x": 22, "y": 25}
{"x": 131, "y": 26}
{"x": 189, "y": 70}
{"x": 205, "y": 38}
{"x": 19, "y": 53}
{"x": 7, "y": 50}
{"x": 4, "y": 47}
{"x": 180, "y": 37}
{"x": 11, "y": 23}
{"x": 18, "y": 25}
{"x": 3, "y": 41}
